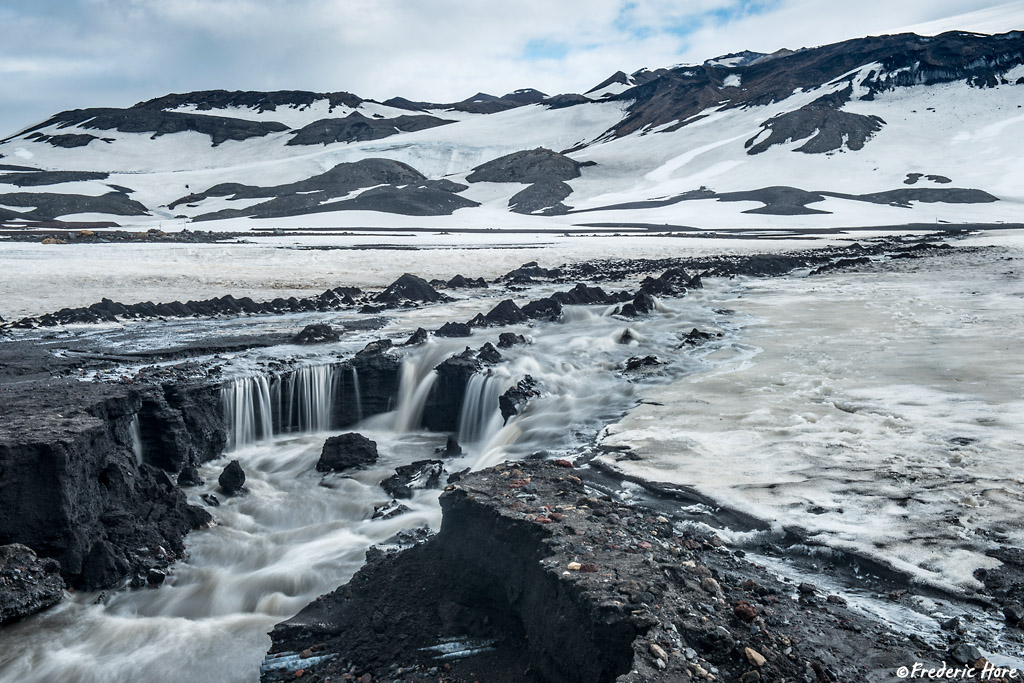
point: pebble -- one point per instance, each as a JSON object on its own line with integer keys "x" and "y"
{"x": 574, "y": 566}
{"x": 754, "y": 657}
{"x": 744, "y": 611}
{"x": 658, "y": 651}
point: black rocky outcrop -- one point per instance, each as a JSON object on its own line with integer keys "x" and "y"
{"x": 538, "y": 165}
{"x": 345, "y": 452}
{"x": 504, "y": 313}
{"x": 409, "y": 288}
{"x": 422, "y": 474}
{"x": 27, "y": 583}
{"x": 514, "y": 400}
{"x": 232, "y": 478}
{"x": 420, "y": 336}
{"x": 318, "y": 333}
{"x": 357, "y": 128}
{"x": 444, "y": 403}
{"x": 453, "y": 329}
{"x": 507, "y": 340}
{"x": 158, "y": 122}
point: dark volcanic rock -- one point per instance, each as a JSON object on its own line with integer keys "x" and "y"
{"x": 69, "y": 443}
{"x": 418, "y": 337}
{"x": 27, "y": 584}
{"x": 533, "y": 166}
{"x": 543, "y": 198}
{"x": 512, "y": 401}
{"x": 355, "y": 128}
{"x": 460, "y": 281}
{"x": 636, "y": 363}
{"x": 189, "y": 476}
{"x": 830, "y": 127}
{"x": 571, "y": 594}
{"x": 232, "y": 479}
{"x": 158, "y": 122}
{"x": 451, "y": 448}
{"x": 547, "y": 308}
{"x": 346, "y": 451}
{"x": 451, "y": 329}
{"x": 409, "y": 288}
{"x": 505, "y": 313}
{"x": 507, "y": 340}
{"x": 641, "y": 304}
{"x": 488, "y": 354}
{"x": 316, "y": 334}
{"x": 444, "y": 403}
{"x": 422, "y": 474}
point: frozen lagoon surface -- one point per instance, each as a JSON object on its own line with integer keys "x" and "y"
{"x": 879, "y": 411}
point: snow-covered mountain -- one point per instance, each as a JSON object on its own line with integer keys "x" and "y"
{"x": 883, "y": 130}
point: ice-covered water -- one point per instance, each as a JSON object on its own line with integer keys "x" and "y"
{"x": 877, "y": 412}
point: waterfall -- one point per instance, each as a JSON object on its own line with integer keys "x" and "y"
{"x": 480, "y": 417}
{"x": 246, "y": 402}
{"x": 256, "y": 407}
{"x": 358, "y": 394}
{"x": 416, "y": 379}
{"x": 136, "y": 432}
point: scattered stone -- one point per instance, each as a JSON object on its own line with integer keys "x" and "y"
{"x": 409, "y": 288}
{"x": 316, "y": 334}
{"x": 232, "y": 478}
{"x": 965, "y": 654}
{"x": 754, "y": 657}
{"x": 807, "y": 588}
{"x": 155, "y": 577}
{"x": 210, "y": 500}
{"x": 955, "y": 624}
{"x": 451, "y": 448}
{"x": 345, "y": 452}
{"x": 1014, "y": 614}
{"x": 744, "y": 611}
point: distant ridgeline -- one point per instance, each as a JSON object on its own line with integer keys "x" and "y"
{"x": 899, "y": 122}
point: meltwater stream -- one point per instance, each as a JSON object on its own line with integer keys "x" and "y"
{"x": 297, "y": 534}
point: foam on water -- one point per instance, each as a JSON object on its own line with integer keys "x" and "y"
{"x": 878, "y": 412}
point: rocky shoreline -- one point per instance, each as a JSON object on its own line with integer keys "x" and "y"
{"x": 549, "y": 578}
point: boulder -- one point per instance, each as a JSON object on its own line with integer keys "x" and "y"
{"x": 409, "y": 288}
{"x": 232, "y": 478}
{"x": 27, "y": 584}
{"x": 512, "y": 401}
{"x": 345, "y": 452}
{"x": 189, "y": 476}
{"x": 507, "y": 340}
{"x": 316, "y": 334}
{"x": 454, "y": 330}
{"x": 422, "y": 474}
{"x": 489, "y": 354}
{"x": 505, "y": 313}
{"x": 418, "y": 337}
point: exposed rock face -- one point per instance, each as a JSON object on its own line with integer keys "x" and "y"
{"x": 71, "y": 489}
{"x": 181, "y": 425}
{"x": 345, "y": 452}
{"x": 532, "y": 166}
{"x": 208, "y": 100}
{"x": 48, "y": 206}
{"x": 568, "y": 592}
{"x": 232, "y": 479}
{"x": 355, "y": 128}
{"x": 316, "y": 334}
{"x": 444, "y": 404}
{"x": 831, "y": 128}
{"x": 27, "y": 584}
{"x": 480, "y": 103}
{"x": 544, "y": 198}
{"x": 158, "y": 122}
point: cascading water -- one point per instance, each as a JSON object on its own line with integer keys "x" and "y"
{"x": 416, "y": 380}
{"x": 136, "y": 432}
{"x": 257, "y": 407}
{"x": 481, "y": 417}
{"x": 246, "y": 402}
{"x": 358, "y": 393}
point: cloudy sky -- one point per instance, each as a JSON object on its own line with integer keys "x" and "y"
{"x": 64, "y": 54}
